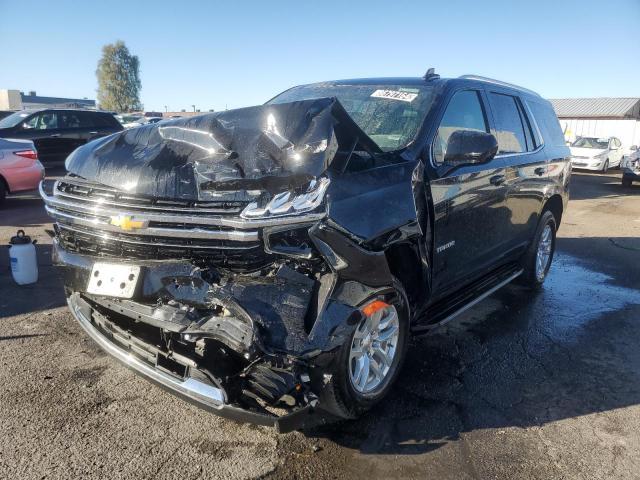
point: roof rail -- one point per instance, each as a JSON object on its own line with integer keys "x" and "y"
{"x": 497, "y": 82}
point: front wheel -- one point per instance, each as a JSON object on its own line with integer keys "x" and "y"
{"x": 626, "y": 182}
{"x": 537, "y": 260}
{"x": 368, "y": 364}
{"x": 3, "y": 191}
{"x": 605, "y": 167}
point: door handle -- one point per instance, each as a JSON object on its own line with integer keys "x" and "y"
{"x": 93, "y": 133}
{"x": 54, "y": 135}
{"x": 497, "y": 180}
{"x": 540, "y": 171}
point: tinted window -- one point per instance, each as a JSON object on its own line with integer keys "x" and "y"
{"x": 42, "y": 121}
{"x": 71, "y": 120}
{"x": 547, "y": 122}
{"x": 509, "y": 128}
{"x": 103, "y": 120}
{"x": 464, "y": 112}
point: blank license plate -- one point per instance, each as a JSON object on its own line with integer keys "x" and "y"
{"x": 113, "y": 280}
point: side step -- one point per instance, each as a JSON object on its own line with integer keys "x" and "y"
{"x": 449, "y": 308}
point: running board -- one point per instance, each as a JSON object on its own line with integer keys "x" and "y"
{"x": 440, "y": 314}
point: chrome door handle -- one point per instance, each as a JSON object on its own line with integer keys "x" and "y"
{"x": 497, "y": 180}
{"x": 93, "y": 133}
{"x": 54, "y": 135}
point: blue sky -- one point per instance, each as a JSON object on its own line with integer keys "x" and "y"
{"x": 232, "y": 54}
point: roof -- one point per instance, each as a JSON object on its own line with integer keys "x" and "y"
{"x": 38, "y": 100}
{"x": 603, "y": 107}
{"x": 420, "y": 81}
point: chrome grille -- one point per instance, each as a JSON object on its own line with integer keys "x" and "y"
{"x": 90, "y": 217}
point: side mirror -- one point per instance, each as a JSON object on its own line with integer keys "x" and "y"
{"x": 467, "y": 147}
{"x": 634, "y": 148}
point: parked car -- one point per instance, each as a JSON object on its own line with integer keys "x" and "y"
{"x": 131, "y": 121}
{"x": 596, "y": 153}
{"x": 20, "y": 168}
{"x": 631, "y": 167}
{"x": 57, "y": 132}
{"x": 271, "y": 262}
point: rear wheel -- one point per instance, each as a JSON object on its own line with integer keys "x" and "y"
{"x": 369, "y": 363}
{"x": 537, "y": 260}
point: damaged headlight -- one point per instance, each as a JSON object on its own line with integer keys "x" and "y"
{"x": 287, "y": 203}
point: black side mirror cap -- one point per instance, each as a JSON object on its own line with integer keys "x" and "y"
{"x": 468, "y": 147}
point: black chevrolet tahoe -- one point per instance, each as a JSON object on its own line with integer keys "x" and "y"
{"x": 270, "y": 263}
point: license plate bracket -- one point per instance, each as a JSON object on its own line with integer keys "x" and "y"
{"x": 111, "y": 280}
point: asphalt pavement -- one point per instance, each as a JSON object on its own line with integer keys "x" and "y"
{"x": 523, "y": 385}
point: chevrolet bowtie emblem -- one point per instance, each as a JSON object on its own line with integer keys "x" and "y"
{"x": 127, "y": 223}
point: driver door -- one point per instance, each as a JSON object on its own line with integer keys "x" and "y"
{"x": 42, "y": 129}
{"x": 469, "y": 201}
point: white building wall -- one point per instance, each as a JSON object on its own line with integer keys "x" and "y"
{"x": 10, "y": 100}
{"x": 628, "y": 131}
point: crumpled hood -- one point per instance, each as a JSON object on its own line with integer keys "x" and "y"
{"x": 586, "y": 152}
{"x": 267, "y": 147}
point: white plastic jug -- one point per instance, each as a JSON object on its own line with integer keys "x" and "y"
{"x": 22, "y": 256}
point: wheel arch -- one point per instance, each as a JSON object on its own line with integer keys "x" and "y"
{"x": 555, "y": 205}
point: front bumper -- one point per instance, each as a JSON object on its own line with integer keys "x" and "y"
{"x": 274, "y": 342}
{"x": 588, "y": 164}
{"x": 194, "y": 391}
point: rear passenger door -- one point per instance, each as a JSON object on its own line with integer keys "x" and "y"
{"x": 526, "y": 167}
{"x": 468, "y": 200}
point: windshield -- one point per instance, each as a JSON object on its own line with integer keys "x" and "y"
{"x": 13, "y": 119}
{"x": 389, "y": 114}
{"x": 588, "y": 142}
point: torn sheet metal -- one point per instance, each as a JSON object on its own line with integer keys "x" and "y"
{"x": 268, "y": 147}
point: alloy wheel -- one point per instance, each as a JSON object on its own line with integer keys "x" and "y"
{"x": 543, "y": 255}
{"x": 373, "y": 350}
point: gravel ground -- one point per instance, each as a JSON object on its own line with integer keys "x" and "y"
{"x": 522, "y": 386}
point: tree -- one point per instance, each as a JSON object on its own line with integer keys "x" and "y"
{"x": 118, "y": 79}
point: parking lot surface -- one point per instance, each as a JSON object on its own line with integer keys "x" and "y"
{"x": 523, "y": 385}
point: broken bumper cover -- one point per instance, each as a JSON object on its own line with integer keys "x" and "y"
{"x": 194, "y": 391}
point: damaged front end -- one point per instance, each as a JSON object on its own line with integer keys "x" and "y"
{"x": 205, "y": 254}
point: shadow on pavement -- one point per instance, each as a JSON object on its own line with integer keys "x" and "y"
{"x": 518, "y": 359}
{"x": 46, "y": 293}
{"x": 593, "y": 185}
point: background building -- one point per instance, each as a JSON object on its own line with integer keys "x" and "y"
{"x": 600, "y": 117}
{"x": 17, "y": 100}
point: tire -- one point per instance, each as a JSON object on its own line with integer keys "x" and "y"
{"x": 626, "y": 182}
{"x": 605, "y": 167}
{"x": 3, "y": 191}
{"x": 533, "y": 277}
{"x": 340, "y": 396}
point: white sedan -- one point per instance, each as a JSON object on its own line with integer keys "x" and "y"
{"x": 596, "y": 153}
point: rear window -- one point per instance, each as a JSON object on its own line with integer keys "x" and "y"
{"x": 548, "y": 123}
{"x": 509, "y": 127}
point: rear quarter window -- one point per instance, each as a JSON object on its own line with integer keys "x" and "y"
{"x": 547, "y": 122}
{"x": 104, "y": 120}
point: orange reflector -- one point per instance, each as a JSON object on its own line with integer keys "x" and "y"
{"x": 373, "y": 307}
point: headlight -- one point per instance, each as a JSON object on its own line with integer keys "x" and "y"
{"x": 286, "y": 203}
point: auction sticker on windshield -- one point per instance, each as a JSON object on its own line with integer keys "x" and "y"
{"x": 395, "y": 95}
